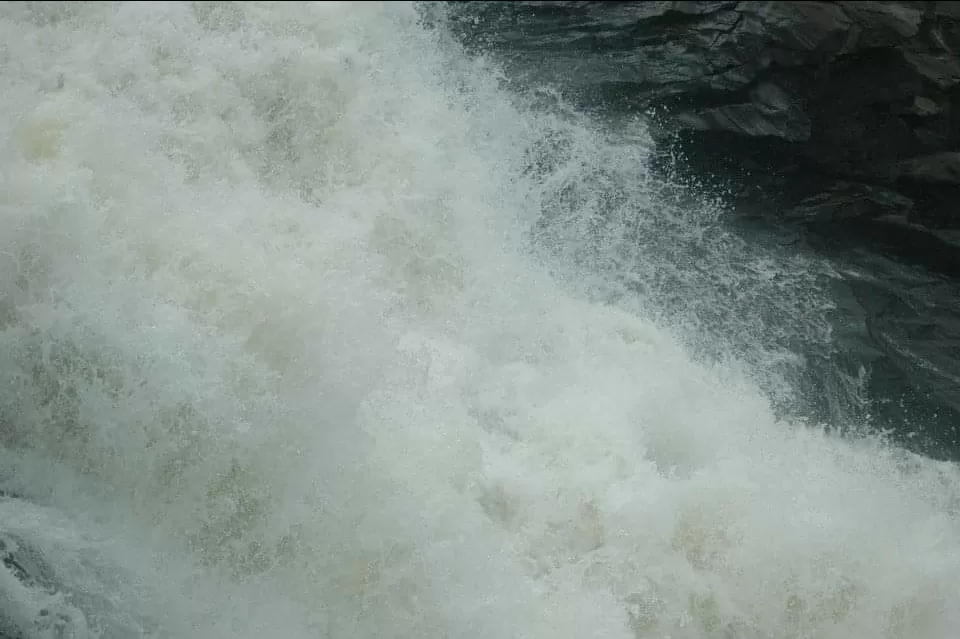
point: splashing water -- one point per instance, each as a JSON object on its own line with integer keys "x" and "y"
{"x": 276, "y": 357}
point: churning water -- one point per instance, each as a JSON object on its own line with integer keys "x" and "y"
{"x": 308, "y": 329}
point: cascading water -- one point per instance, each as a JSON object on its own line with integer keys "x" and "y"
{"x": 308, "y": 328}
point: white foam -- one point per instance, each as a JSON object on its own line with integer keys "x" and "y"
{"x": 268, "y": 324}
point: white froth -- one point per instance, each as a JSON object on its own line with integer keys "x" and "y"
{"x": 271, "y": 344}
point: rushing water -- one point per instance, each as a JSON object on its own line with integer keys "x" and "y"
{"x": 308, "y": 328}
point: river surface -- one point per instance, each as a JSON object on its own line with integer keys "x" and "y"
{"x": 310, "y": 327}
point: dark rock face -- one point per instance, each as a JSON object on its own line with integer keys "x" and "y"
{"x": 855, "y": 94}
{"x": 834, "y": 122}
{"x": 903, "y": 326}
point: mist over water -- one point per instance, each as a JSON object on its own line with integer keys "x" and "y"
{"x": 309, "y": 328}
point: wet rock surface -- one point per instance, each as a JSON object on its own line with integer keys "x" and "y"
{"x": 815, "y": 92}
{"x": 833, "y": 122}
{"x": 902, "y": 326}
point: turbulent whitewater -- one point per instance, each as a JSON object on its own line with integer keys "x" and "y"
{"x": 288, "y": 349}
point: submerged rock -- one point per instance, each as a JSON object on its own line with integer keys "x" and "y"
{"x": 39, "y": 597}
{"x": 30, "y": 602}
